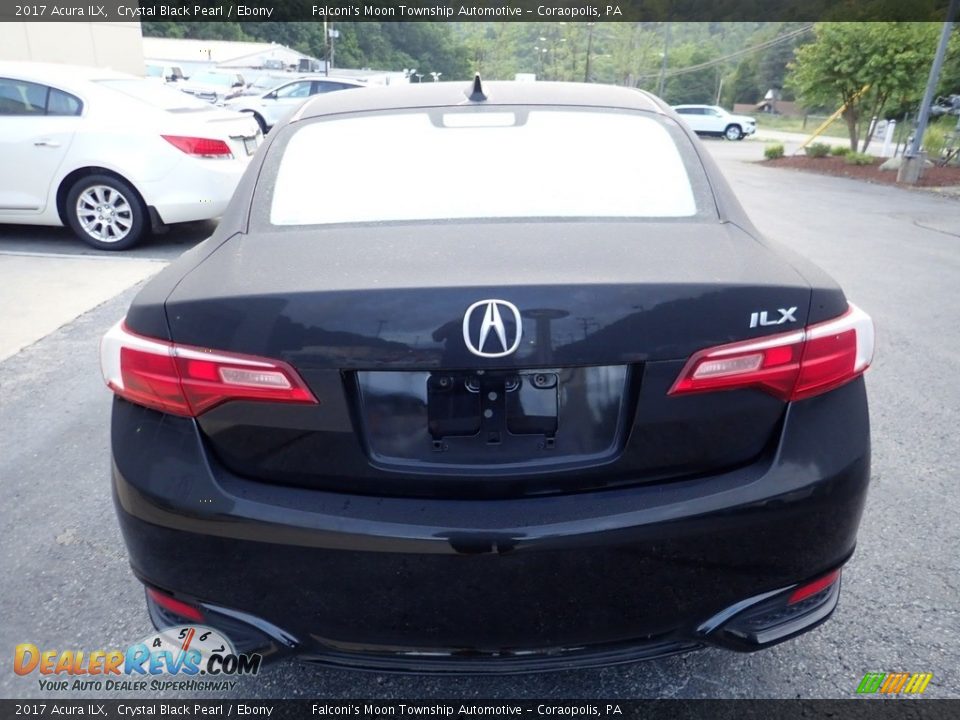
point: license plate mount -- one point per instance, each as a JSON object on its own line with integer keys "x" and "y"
{"x": 490, "y": 404}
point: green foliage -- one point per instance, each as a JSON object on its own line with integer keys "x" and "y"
{"x": 891, "y": 59}
{"x": 817, "y": 150}
{"x": 773, "y": 152}
{"x": 858, "y": 158}
{"x": 743, "y": 86}
{"x": 839, "y": 150}
{"x": 937, "y": 136}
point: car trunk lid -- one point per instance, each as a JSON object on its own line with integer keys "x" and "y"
{"x": 373, "y": 319}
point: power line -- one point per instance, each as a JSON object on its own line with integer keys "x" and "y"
{"x": 716, "y": 61}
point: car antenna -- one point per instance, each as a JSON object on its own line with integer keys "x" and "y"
{"x": 476, "y": 92}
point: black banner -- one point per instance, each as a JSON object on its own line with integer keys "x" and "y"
{"x": 859, "y": 709}
{"x": 473, "y": 10}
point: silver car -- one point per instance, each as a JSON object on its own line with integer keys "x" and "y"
{"x": 273, "y": 106}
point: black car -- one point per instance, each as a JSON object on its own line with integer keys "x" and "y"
{"x": 489, "y": 377}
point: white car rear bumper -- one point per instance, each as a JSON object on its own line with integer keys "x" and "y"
{"x": 202, "y": 193}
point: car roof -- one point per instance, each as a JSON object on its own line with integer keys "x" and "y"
{"x": 49, "y": 72}
{"x": 452, "y": 94}
{"x": 331, "y": 78}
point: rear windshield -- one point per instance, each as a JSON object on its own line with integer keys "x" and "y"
{"x": 157, "y": 95}
{"x": 491, "y": 163}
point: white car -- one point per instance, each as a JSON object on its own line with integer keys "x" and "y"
{"x": 166, "y": 73}
{"x": 273, "y": 106}
{"x": 111, "y": 154}
{"x": 714, "y": 120}
{"x": 213, "y": 86}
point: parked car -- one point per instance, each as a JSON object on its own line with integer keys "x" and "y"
{"x": 714, "y": 120}
{"x": 265, "y": 82}
{"x": 213, "y": 85}
{"x": 271, "y": 107}
{"x": 524, "y": 389}
{"x": 110, "y": 154}
{"x": 167, "y": 73}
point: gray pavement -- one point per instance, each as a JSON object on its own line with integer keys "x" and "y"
{"x": 897, "y": 254}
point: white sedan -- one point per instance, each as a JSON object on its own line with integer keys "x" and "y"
{"x": 271, "y": 107}
{"x": 714, "y": 120}
{"x": 111, "y": 155}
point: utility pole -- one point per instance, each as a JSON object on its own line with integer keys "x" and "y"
{"x": 586, "y": 70}
{"x": 663, "y": 64}
{"x": 912, "y": 164}
{"x": 333, "y": 35}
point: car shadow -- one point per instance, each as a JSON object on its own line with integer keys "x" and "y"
{"x": 34, "y": 239}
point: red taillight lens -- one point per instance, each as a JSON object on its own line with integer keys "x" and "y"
{"x": 177, "y": 607}
{"x": 201, "y": 147}
{"x": 790, "y": 366}
{"x": 189, "y": 381}
{"x": 812, "y": 588}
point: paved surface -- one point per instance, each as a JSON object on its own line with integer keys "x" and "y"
{"x": 45, "y": 292}
{"x": 897, "y": 253}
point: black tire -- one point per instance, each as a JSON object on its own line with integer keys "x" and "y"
{"x": 101, "y": 207}
{"x": 260, "y": 121}
{"x": 733, "y": 132}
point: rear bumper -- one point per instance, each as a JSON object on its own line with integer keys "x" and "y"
{"x": 196, "y": 189}
{"x": 498, "y": 585}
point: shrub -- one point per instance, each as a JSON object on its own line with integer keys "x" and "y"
{"x": 858, "y": 158}
{"x": 840, "y": 150}
{"x": 936, "y": 138}
{"x": 817, "y": 150}
{"x": 773, "y": 152}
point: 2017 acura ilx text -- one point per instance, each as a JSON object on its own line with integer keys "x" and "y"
{"x": 524, "y": 389}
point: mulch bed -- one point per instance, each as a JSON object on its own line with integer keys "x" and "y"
{"x": 932, "y": 176}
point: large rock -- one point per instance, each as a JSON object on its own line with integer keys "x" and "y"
{"x": 894, "y": 163}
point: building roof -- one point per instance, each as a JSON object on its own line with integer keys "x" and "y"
{"x": 220, "y": 52}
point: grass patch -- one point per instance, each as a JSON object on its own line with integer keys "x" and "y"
{"x": 795, "y": 124}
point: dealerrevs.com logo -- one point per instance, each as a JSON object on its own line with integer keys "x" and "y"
{"x": 171, "y": 659}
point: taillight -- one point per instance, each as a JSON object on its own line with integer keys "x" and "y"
{"x": 177, "y": 607}
{"x": 200, "y": 147}
{"x": 189, "y": 381}
{"x": 812, "y": 588}
{"x": 790, "y": 366}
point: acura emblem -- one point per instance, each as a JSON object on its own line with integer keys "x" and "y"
{"x": 480, "y": 340}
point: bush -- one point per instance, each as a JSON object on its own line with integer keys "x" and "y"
{"x": 817, "y": 150}
{"x": 773, "y": 152}
{"x": 840, "y": 150}
{"x": 936, "y": 138}
{"x": 858, "y": 158}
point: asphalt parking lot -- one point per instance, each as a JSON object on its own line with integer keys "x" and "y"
{"x": 896, "y": 252}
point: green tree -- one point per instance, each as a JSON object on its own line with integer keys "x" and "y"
{"x": 743, "y": 86}
{"x": 889, "y": 59}
{"x": 695, "y": 86}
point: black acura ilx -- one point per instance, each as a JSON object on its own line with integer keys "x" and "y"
{"x": 489, "y": 377}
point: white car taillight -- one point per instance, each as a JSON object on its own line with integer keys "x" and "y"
{"x": 200, "y": 147}
{"x": 790, "y": 366}
{"x": 189, "y": 381}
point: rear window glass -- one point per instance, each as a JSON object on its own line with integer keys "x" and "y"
{"x": 495, "y": 163}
